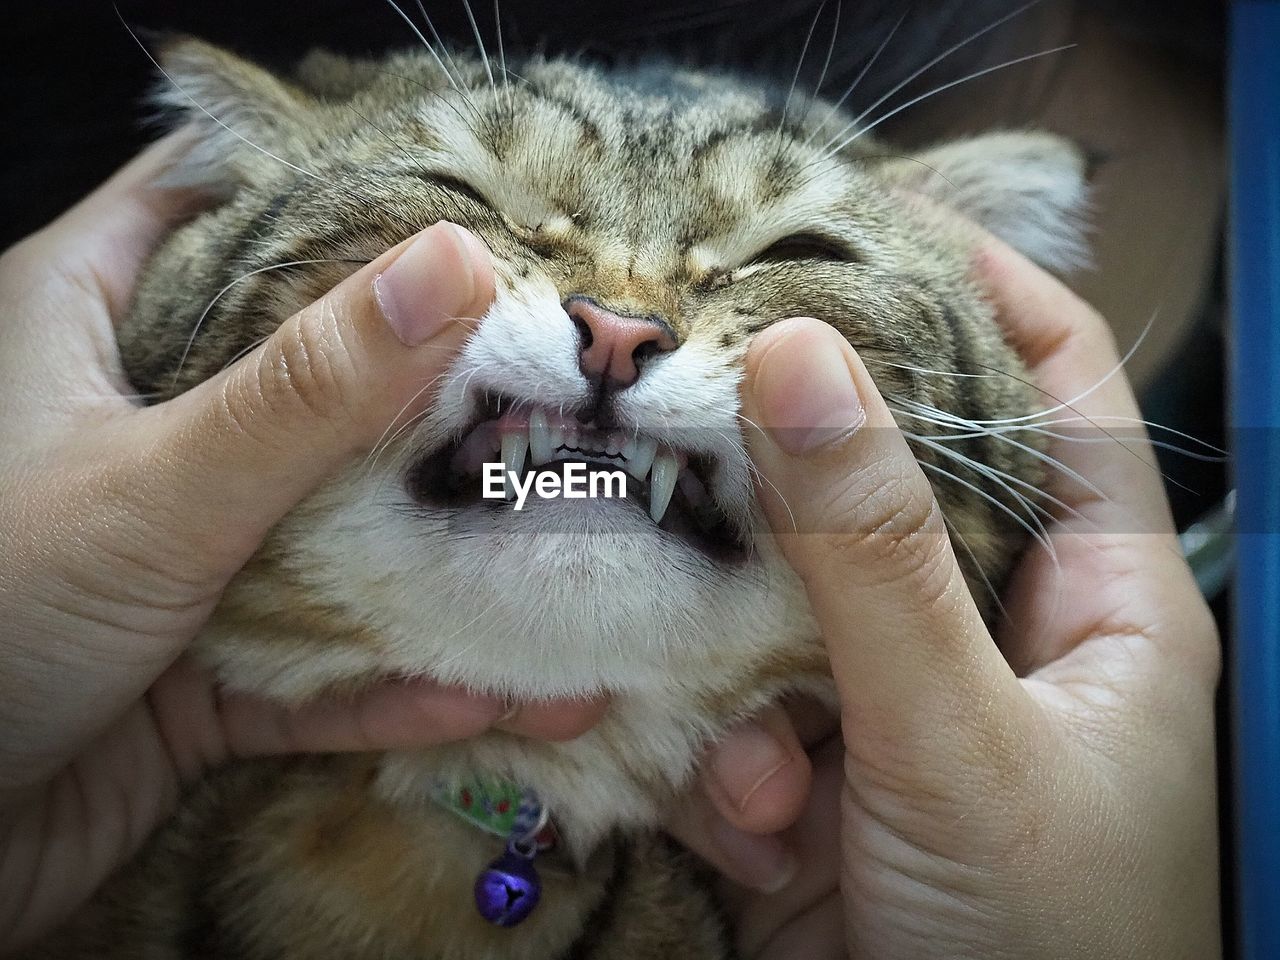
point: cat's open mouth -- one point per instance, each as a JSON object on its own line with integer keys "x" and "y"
{"x": 670, "y": 484}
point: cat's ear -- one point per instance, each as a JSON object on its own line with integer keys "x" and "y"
{"x": 1029, "y": 189}
{"x": 247, "y": 123}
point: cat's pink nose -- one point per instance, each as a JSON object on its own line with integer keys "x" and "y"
{"x": 613, "y": 346}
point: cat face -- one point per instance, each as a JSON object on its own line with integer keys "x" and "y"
{"x": 644, "y": 224}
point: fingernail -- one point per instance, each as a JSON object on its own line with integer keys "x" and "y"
{"x": 430, "y": 283}
{"x": 756, "y": 756}
{"x": 803, "y": 386}
{"x": 763, "y": 863}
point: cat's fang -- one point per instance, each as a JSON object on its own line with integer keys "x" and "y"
{"x": 514, "y": 447}
{"x": 662, "y": 484}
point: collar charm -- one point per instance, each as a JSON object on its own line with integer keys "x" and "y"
{"x": 509, "y": 889}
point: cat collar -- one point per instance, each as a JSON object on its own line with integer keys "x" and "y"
{"x": 507, "y": 890}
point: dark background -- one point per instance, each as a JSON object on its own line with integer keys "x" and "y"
{"x": 73, "y": 80}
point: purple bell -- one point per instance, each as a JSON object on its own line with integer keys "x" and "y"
{"x": 509, "y": 888}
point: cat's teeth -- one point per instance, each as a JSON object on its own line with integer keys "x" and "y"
{"x": 662, "y": 484}
{"x": 543, "y": 439}
{"x": 639, "y": 454}
{"x": 514, "y": 448}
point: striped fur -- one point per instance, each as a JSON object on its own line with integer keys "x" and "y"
{"x": 653, "y": 191}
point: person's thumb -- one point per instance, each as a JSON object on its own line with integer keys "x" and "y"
{"x": 856, "y": 518}
{"x": 229, "y": 458}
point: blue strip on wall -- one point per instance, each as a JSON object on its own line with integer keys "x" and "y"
{"x": 1254, "y": 667}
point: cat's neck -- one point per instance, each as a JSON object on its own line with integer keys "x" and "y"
{"x": 621, "y": 775}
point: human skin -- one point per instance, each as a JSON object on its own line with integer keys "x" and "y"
{"x": 121, "y": 524}
{"x": 1045, "y": 792}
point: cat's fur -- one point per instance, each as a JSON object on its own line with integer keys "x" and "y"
{"x": 653, "y": 191}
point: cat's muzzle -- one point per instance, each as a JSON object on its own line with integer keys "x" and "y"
{"x": 669, "y": 483}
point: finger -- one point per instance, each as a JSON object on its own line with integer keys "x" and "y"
{"x": 61, "y": 288}
{"x": 204, "y": 725}
{"x": 801, "y": 914}
{"x": 754, "y": 783}
{"x": 556, "y": 721}
{"x": 1115, "y": 544}
{"x": 1090, "y": 406}
{"x": 153, "y": 513}
{"x": 107, "y": 235}
{"x": 253, "y": 441}
{"x": 762, "y": 862}
{"x": 856, "y": 518}
{"x": 757, "y": 777}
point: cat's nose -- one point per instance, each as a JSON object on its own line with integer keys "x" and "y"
{"x": 613, "y": 347}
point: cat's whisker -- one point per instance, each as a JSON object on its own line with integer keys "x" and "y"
{"x": 310, "y": 174}
{"x": 455, "y": 82}
{"x": 915, "y": 369}
{"x": 1216, "y": 454}
{"x": 484, "y": 54}
{"x": 941, "y": 449}
{"x": 1035, "y": 511}
{"x": 199, "y": 106}
{"x": 972, "y": 38}
{"x": 422, "y": 86}
{"x": 930, "y": 414}
{"x": 388, "y": 438}
{"x": 826, "y": 64}
{"x": 1037, "y": 532}
{"x": 246, "y": 351}
{"x": 238, "y": 280}
{"x": 755, "y": 471}
{"x": 795, "y": 77}
{"x": 502, "y": 58}
{"x": 856, "y": 81}
{"x": 1066, "y": 404}
{"x": 947, "y": 86}
{"x": 957, "y": 536}
{"x": 795, "y": 527}
{"x": 435, "y": 35}
{"x": 1060, "y": 405}
{"x": 1157, "y": 444}
{"x": 403, "y": 148}
{"x": 1041, "y": 428}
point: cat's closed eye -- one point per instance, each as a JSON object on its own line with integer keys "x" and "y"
{"x": 804, "y": 246}
{"x": 455, "y": 186}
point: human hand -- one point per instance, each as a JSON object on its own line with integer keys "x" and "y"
{"x": 120, "y": 526}
{"x": 1056, "y": 800}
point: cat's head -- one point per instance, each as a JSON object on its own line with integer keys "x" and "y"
{"x": 644, "y": 223}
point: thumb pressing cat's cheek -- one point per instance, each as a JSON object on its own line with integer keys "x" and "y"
{"x": 320, "y": 391}
{"x": 856, "y": 518}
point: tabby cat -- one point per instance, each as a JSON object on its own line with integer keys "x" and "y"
{"x": 694, "y": 207}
